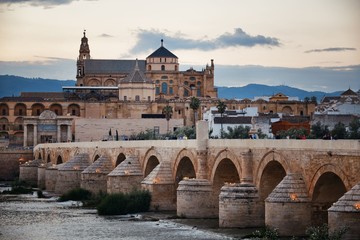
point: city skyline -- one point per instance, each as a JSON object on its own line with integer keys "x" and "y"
{"x": 309, "y": 45}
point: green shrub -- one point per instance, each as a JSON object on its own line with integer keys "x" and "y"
{"x": 78, "y": 194}
{"x": 19, "y": 187}
{"x": 265, "y": 233}
{"x": 322, "y": 233}
{"x": 124, "y": 203}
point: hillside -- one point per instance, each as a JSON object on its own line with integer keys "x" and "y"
{"x": 256, "y": 90}
{"x": 13, "y": 85}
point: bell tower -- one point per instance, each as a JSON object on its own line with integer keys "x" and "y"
{"x": 84, "y": 54}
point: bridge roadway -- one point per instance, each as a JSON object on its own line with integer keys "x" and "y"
{"x": 328, "y": 168}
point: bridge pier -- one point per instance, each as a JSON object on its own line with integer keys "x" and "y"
{"x": 239, "y": 206}
{"x": 126, "y": 177}
{"x": 346, "y": 213}
{"x": 288, "y": 207}
{"x": 195, "y": 199}
{"x": 161, "y": 185}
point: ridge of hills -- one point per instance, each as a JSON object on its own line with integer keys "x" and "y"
{"x": 13, "y": 85}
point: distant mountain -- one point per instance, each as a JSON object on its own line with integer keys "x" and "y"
{"x": 256, "y": 90}
{"x": 14, "y": 85}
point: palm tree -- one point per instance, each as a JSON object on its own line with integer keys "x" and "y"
{"x": 221, "y": 107}
{"x": 194, "y": 105}
{"x": 167, "y": 111}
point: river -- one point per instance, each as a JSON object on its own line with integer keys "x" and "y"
{"x": 26, "y": 217}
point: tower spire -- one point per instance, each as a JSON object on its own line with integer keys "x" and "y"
{"x": 162, "y": 42}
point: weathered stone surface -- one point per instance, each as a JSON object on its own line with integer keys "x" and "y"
{"x": 240, "y": 206}
{"x": 29, "y": 171}
{"x": 194, "y": 199}
{"x": 346, "y": 213}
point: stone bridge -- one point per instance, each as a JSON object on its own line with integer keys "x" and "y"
{"x": 287, "y": 184}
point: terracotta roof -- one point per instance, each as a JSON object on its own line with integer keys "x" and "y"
{"x": 44, "y": 95}
{"x": 350, "y": 202}
{"x": 104, "y": 66}
{"x": 291, "y": 189}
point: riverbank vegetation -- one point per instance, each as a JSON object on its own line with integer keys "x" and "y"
{"x": 111, "y": 204}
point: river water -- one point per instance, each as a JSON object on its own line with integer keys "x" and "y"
{"x": 26, "y": 217}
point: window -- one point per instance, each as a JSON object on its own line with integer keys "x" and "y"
{"x": 164, "y": 88}
{"x": 149, "y": 99}
{"x": 198, "y": 92}
{"x": 164, "y": 77}
{"x": 125, "y": 98}
{"x": 56, "y": 112}
{"x": 4, "y": 112}
{"x": 186, "y": 93}
{"x": 162, "y": 67}
{"x": 73, "y": 112}
{"x": 192, "y": 78}
{"x": 38, "y": 112}
{"x": 175, "y": 68}
{"x": 149, "y": 68}
{"x": 20, "y": 112}
{"x": 186, "y": 83}
{"x": 160, "y": 60}
{"x": 198, "y": 83}
{"x": 301, "y": 113}
{"x": 171, "y": 81}
{"x": 137, "y": 98}
{"x": 157, "y": 90}
{"x": 157, "y": 81}
{"x": 4, "y": 127}
{"x": 171, "y": 90}
{"x": 179, "y": 112}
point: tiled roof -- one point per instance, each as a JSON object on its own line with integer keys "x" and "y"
{"x": 47, "y": 95}
{"x": 161, "y": 174}
{"x": 232, "y": 120}
{"x": 102, "y": 165}
{"x": 162, "y": 52}
{"x": 136, "y": 76}
{"x": 350, "y": 202}
{"x": 21, "y": 99}
{"x": 104, "y": 66}
{"x": 129, "y": 167}
{"x": 349, "y": 92}
{"x": 291, "y": 189}
{"x": 77, "y": 163}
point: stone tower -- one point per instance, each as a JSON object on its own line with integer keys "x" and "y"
{"x": 84, "y": 53}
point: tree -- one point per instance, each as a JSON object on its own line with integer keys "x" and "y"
{"x": 354, "y": 129}
{"x": 221, "y": 107}
{"x": 319, "y": 131}
{"x": 237, "y": 132}
{"x": 306, "y": 99}
{"x": 194, "y": 105}
{"x": 167, "y": 111}
{"x": 339, "y": 131}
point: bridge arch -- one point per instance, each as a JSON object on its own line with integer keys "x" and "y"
{"x": 48, "y": 158}
{"x": 59, "y": 160}
{"x": 225, "y": 154}
{"x": 120, "y": 158}
{"x": 272, "y": 169}
{"x": 185, "y": 165}
{"x": 327, "y": 186}
{"x": 151, "y": 159}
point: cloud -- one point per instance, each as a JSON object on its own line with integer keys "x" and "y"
{"x": 104, "y": 35}
{"x": 38, "y": 3}
{"x": 333, "y": 49}
{"x": 147, "y": 39}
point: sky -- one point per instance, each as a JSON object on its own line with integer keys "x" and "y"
{"x": 312, "y": 45}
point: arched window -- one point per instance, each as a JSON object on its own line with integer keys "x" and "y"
{"x": 149, "y": 68}
{"x": 164, "y": 88}
{"x": 162, "y": 67}
{"x": 157, "y": 90}
{"x": 198, "y": 92}
{"x": 137, "y": 98}
{"x": 171, "y": 90}
{"x": 186, "y": 93}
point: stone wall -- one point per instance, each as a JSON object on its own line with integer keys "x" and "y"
{"x": 98, "y": 129}
{"x": 9, "y": 162}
